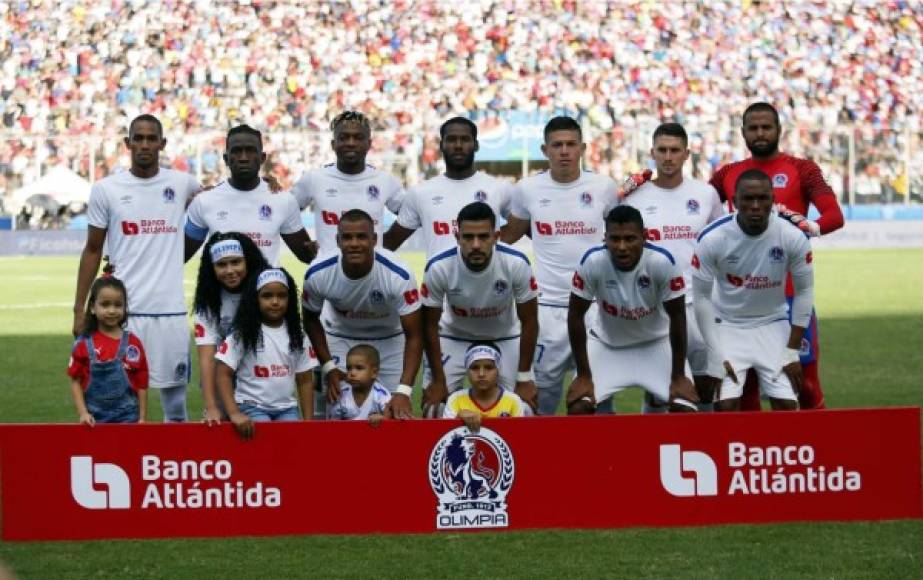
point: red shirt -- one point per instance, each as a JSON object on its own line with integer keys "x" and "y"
{"x": 797, "y": 183}
{"x": 135, "y": 361}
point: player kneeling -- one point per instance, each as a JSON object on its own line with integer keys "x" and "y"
{"x": 639, "y": 335}
{"x": 485, "y": 398}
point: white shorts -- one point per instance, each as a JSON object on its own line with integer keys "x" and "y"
{"x": 647, "y": 365}
{"x": 166, "y": 344}
{"x": 453, "y": 362}
{"x": 760, "y": 349}
{"x": 390, "y": 353}
{"x": 553, "y": 357}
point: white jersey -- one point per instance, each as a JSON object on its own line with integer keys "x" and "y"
{"x": 479, "y": 305}
{"x": 208, "y": 330}
{"x": 259, "y": 214}
{"x": 630, "y": 303}
{"x": 346, "y": 407}
{"x": 266, "y": 378}
{"x": 567, "y": 219}
{"x": 434, "y": 205}
{"x": 331, "y": 193}
{"x": 674, "y": 217}
{"x": 143, "y": 219}
{"x": 367, "y": 308}
{"x": 751, "y": 270}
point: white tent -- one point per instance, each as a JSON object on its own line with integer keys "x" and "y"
{"x": 60, "y": 183}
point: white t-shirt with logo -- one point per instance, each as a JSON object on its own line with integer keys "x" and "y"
{"x": 751, "y": 270}
{"x": 630, "y": 303}
{"x": 266, "y": 378}
{"x": 479, "y": 305}
{"x": 346, "y": 408}
{"x": 367, "y": 308}
{"x": 434, "y": 205}
{"x": 144, "y": 238}
{"x": 208, "y": 330}
{"x": 674, "y": 217}
{"x": 331, "y": 193}
{"x": 567, "y": 219}
{"x": 259, "y": 214}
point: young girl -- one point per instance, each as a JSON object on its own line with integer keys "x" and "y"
{"x": 485, "y": 398}
{"x": 362, "y": 396}
{"x": 267, "y": 350}
{"x": 108, "y": 369}
{"x": 227, "y": 262}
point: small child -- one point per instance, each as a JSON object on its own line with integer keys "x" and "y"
{"x": 362, "y": 396}
{"x": 108, "y": 368}
{"x": 485, "y": 398}
{"x": 267, "y": 352}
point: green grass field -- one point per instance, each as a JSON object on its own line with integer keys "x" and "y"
{"x": 871, "y": 310}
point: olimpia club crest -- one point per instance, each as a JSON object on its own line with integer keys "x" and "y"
{"x": 471, "y": 473}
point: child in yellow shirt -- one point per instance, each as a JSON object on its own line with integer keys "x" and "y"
{"x": 485, "y": 398}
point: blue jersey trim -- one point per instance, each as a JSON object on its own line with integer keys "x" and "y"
{"x": 591, "y": 251}
{"x": 663, "y": 251}
{"x": 392, "y": 266}
{"x": 512, "y": 252}
{"x": 552, "y": 305}
{"x": 156, "y": 314}
{"x": 715, "y": 224}
{"x": 195, "y": 232}
{"x": 441, "y": 256}
{"x": 320, "y": 266}
{"x": 380, "y": 389}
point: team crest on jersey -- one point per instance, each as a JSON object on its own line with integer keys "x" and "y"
{"x": 180, "y": 373}
{"x": 586, "y": 198}
{"x": 265, "y": 212}
{"x": 776, "y": 254}
{"x": 779, "y": 180}
{"x": 500, "y": 286}
{"x": 373, "y": 193}
{"x": 480, "y": 195}
{"x": 132, "y": 353}
{"x": 692, "y": 207}
{"x": 471, "y": 474}
{"x": 644, "y": 281}
{"x": 376, "y": 297}
{"x": 169, "y": 196}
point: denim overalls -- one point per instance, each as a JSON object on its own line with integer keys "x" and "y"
{"x": 109, "y": 397}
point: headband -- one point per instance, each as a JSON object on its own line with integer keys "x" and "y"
{"x": 226, "y": 249}
{"x": 481, "y": 352}
{"x": 271, "y": 275}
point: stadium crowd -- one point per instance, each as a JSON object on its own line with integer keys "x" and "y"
{"x": 72, "y": 70}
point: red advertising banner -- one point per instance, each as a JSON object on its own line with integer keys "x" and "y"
{"x": 144, "y": 481}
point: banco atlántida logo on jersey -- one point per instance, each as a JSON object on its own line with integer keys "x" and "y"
{"x": 754, "y": 470}
{"x": 471, "y": 474}
{"x": 147, "y": 227}
{"x": 167, "y": 484}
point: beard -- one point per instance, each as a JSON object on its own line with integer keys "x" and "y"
{"x": 763, "y": 149}
{"x": 453, "y": 166}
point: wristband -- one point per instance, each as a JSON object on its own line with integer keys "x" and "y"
{"x": 525, "y": 376}
{"x": 405, "y": 390}
{"x": 327, "y": 367}
{"x": 790, "y": 355}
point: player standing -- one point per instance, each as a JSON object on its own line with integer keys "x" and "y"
{"x": 368, "y": 296}
{"x": 138, "y": 214}
{"x": 245, "y": 204}
{"x": 638, "y": 336}
{"x": 469, "y": 296}
{"x": 565, "y": 208}
{"x": 434, "y": 204}
{"x": 349, "y": 183}
{"x": 751, "y": 254}
{"x": 675, "y": 208}
{"x": 797, "y": 183}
